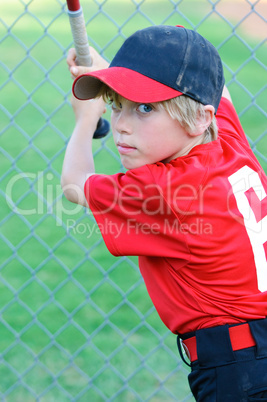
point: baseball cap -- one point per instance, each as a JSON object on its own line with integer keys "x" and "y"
{"x": 159, "y": 63}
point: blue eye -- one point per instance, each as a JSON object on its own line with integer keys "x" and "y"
{"x": 144, "y": 108}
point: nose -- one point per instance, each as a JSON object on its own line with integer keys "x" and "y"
{"x": 121, "y": 121}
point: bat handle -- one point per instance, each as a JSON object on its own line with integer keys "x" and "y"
{"x": 80, "y": 37}
{"x": 83, "y": 57}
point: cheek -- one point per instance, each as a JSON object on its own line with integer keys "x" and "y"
{"x": 112, "y": 127}
{"x": 112, "y": 122}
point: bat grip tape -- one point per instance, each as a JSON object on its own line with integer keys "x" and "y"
{"x": 80, "y": 37}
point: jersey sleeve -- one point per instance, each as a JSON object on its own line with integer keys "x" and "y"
{"x": 228, "y": 121}
{"x": 133, "y": 216}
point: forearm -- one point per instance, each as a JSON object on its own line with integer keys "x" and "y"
{"x": 78, "y": 162}
{"x": 78, "y": 165}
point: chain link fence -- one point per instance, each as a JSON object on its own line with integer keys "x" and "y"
{"x": 76, "y": 323}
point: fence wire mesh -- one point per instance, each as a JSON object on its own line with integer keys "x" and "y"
{"x": 76, "y": 323}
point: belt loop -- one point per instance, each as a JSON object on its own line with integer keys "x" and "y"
{"x": 214, "y": 346}
{"x": 259, "y": 332}
{"x": 179, "y": 341}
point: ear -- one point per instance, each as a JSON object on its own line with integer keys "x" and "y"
{"x": 203, "y": 122}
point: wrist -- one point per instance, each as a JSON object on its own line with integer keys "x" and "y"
{"x": 88, "y": 112}
{"x": 86, "y": 126}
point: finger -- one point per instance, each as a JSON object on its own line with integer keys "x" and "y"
{"x": 71, "y": 57}
{"x": 79, "y": 70}
{"x": 74, "y": 72}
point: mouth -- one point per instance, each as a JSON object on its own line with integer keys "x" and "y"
{"x": 125, "y": 148}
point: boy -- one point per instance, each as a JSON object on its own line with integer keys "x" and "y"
{"x": 192, "y": 204}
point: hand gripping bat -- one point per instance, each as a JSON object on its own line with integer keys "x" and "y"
{"x": 81, "y": 44}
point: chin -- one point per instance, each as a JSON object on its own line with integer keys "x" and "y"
{"x": 128, "y": 165}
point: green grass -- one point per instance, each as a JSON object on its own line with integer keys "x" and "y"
{"x": 77, "y": 323}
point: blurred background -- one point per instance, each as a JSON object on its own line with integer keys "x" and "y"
{"x": 76, "y": 323}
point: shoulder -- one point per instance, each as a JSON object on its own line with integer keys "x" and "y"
{"x": 228, "y": 121}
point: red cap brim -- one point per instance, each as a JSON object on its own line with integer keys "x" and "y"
{"x": 127, "y": 83}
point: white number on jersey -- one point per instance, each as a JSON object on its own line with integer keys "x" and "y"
{"x": 241, "y": 181}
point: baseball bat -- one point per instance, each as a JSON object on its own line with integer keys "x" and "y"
{"x": 81, "y": 45}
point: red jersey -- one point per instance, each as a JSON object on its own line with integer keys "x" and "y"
{"x": 199, "y": 227}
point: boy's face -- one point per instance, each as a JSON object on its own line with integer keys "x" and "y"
{"x": 145, "y": 134}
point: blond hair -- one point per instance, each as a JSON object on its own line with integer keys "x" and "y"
{"x": 182, "y": 108}
{"x": 188, "y": 111}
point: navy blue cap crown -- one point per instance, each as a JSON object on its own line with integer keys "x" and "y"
{"x": 177, "y": 57}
